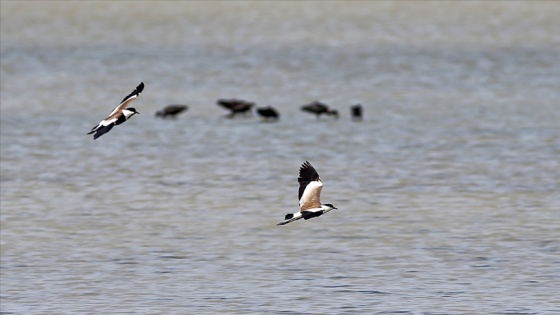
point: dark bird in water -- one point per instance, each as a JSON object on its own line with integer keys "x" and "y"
{"x": 119, "y": 115}
{"x": 309, "y": 195}
{"x": 171, "y": 111}
{"x": 268, "y": 113}
{"x": 319, "y": 109}
{"x": 356, "y": 112}
{"x": 236, "y": 107}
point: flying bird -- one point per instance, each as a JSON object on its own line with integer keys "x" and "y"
{"x": 268, "y": 113}
{"x": 309, "y": 196}
{"x": 171, "y": 111}
{"x": 119, "y": 115}
{"x": 319, "y": 109}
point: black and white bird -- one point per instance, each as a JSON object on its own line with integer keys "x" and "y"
{"x": 268, "y": 113}
{"x": 171, "y": 111}
{"x": 319, "y": 109}
{"x": 119, "y": 115}
{"x": 309, "y": 195}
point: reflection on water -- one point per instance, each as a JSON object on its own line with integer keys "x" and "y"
{"x": 447, "y": 190}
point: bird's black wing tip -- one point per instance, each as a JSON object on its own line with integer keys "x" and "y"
{"x": 307, "y": 166}
{"x": 307, "y": 173}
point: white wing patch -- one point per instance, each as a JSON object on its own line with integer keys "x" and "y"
{"x": 311, "y": 196}
{"x": 107, "y": 122}
{"x": 123, "y": 105}
{"x": 114, "y": 111}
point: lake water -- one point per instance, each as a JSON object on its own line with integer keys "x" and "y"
{"x": 448, "y": 190}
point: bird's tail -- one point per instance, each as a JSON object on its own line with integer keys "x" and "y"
{"x": 94, "y": 129}
{"x": 102, "y": 130}
{"x": 290, "y": 217}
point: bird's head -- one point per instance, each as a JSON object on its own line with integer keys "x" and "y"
{"x": 133, "y": 110}
{"x": 329, "y": 207}
{"x": 129, "y": 112}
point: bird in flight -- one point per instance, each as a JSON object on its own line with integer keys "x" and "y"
{"x": 309, "y": 196}
{"x": 119, "y": 115}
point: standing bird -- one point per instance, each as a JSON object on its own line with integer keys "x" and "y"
{"x": 319, "y": 109}
{"x": 356, "y": 112}
{"x": 268, "y": 113}
{"x": 119, "y": 115}
{"x": 236, "y": 106}
{"x": 171, "y": 111}
{"x": 309, "y": 196}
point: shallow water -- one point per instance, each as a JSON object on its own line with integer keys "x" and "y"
{"x": 448, "y": 190}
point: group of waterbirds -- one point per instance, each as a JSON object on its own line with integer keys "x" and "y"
{"x": 310, "y": 184}
{"x": 241, "y": 107}
{"x": 237, "y": 107}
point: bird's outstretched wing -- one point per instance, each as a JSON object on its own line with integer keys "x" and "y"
{"x": 129, "y": 98}
{"x": 310, "y": 186}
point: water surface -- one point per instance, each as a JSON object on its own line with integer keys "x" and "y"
{"x": 448, "y": 190}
